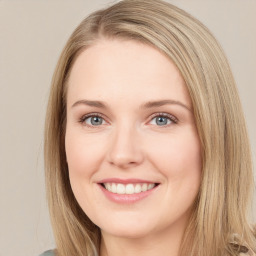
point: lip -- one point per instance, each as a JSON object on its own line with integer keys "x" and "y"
{"x": 126, "y": 198}
{"x": 125, "y": 181}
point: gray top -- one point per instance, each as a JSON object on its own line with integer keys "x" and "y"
{"x": 48, "y": 253}
{"x": 244, "y": 252}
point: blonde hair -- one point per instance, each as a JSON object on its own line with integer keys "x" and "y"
{"x": 221, "y": 208}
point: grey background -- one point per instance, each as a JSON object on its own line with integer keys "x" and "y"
{"x": 32, "y": 34}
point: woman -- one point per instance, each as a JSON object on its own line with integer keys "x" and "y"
{"x": 146, "y": 149}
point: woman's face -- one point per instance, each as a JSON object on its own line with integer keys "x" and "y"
{"x": 132, "y": 147}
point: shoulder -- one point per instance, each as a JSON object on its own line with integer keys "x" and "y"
{"x": 48, "y": 253}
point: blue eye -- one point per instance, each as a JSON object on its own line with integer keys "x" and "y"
{"x": 160, "y": 119}
{"x": 164, "y": 119}
{"x": 95, "y": 120}
{"x": 92, "y": 120}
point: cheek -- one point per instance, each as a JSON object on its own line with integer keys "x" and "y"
{"x": 179, "y": 161}
{"x": 177, "y": 155}
{"x": 84, "y": 153}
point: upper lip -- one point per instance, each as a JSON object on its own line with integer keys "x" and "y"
{"x": 125, "y": 181}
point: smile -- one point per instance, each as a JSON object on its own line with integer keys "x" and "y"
{"x": 128, "y": 189}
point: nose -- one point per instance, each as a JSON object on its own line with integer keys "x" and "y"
{"x": 125, "y": 149}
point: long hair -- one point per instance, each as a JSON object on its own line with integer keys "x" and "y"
{"x": 223, "y": 203}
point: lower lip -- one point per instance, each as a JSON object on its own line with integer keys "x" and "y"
{"x": 126, "y": 198}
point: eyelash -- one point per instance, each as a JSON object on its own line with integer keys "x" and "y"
{"x": 173, "y": 119}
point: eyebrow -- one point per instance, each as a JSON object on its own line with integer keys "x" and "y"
{"x": 146, "y": 105}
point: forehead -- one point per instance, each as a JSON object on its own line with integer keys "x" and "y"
{"x": 125, "y": 70}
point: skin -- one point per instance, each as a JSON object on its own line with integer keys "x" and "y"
{"x": 130, "y": 143}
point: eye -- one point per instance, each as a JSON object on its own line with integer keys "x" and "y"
{"x": 92, "y": 120}
{"x": 163, "y": 119}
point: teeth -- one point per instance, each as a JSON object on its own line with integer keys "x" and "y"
{"x": 113, "y": 187}
{"x": 150, "y": 186}
{"x": 108, "y": 186}
{"x": 120, "y": 189}
{"x": 137, "y": 188}
{"x": 144, "y": 187}
{"x": 128, "y": 189}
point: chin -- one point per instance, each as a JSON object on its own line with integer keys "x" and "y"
{"x": 128, "y": 229}
{"x": 132, "y": 233}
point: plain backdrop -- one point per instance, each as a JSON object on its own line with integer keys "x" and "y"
{"x": 32, "y": 34}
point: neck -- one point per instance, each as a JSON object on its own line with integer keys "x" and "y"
{"x": 164, "y": 243}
